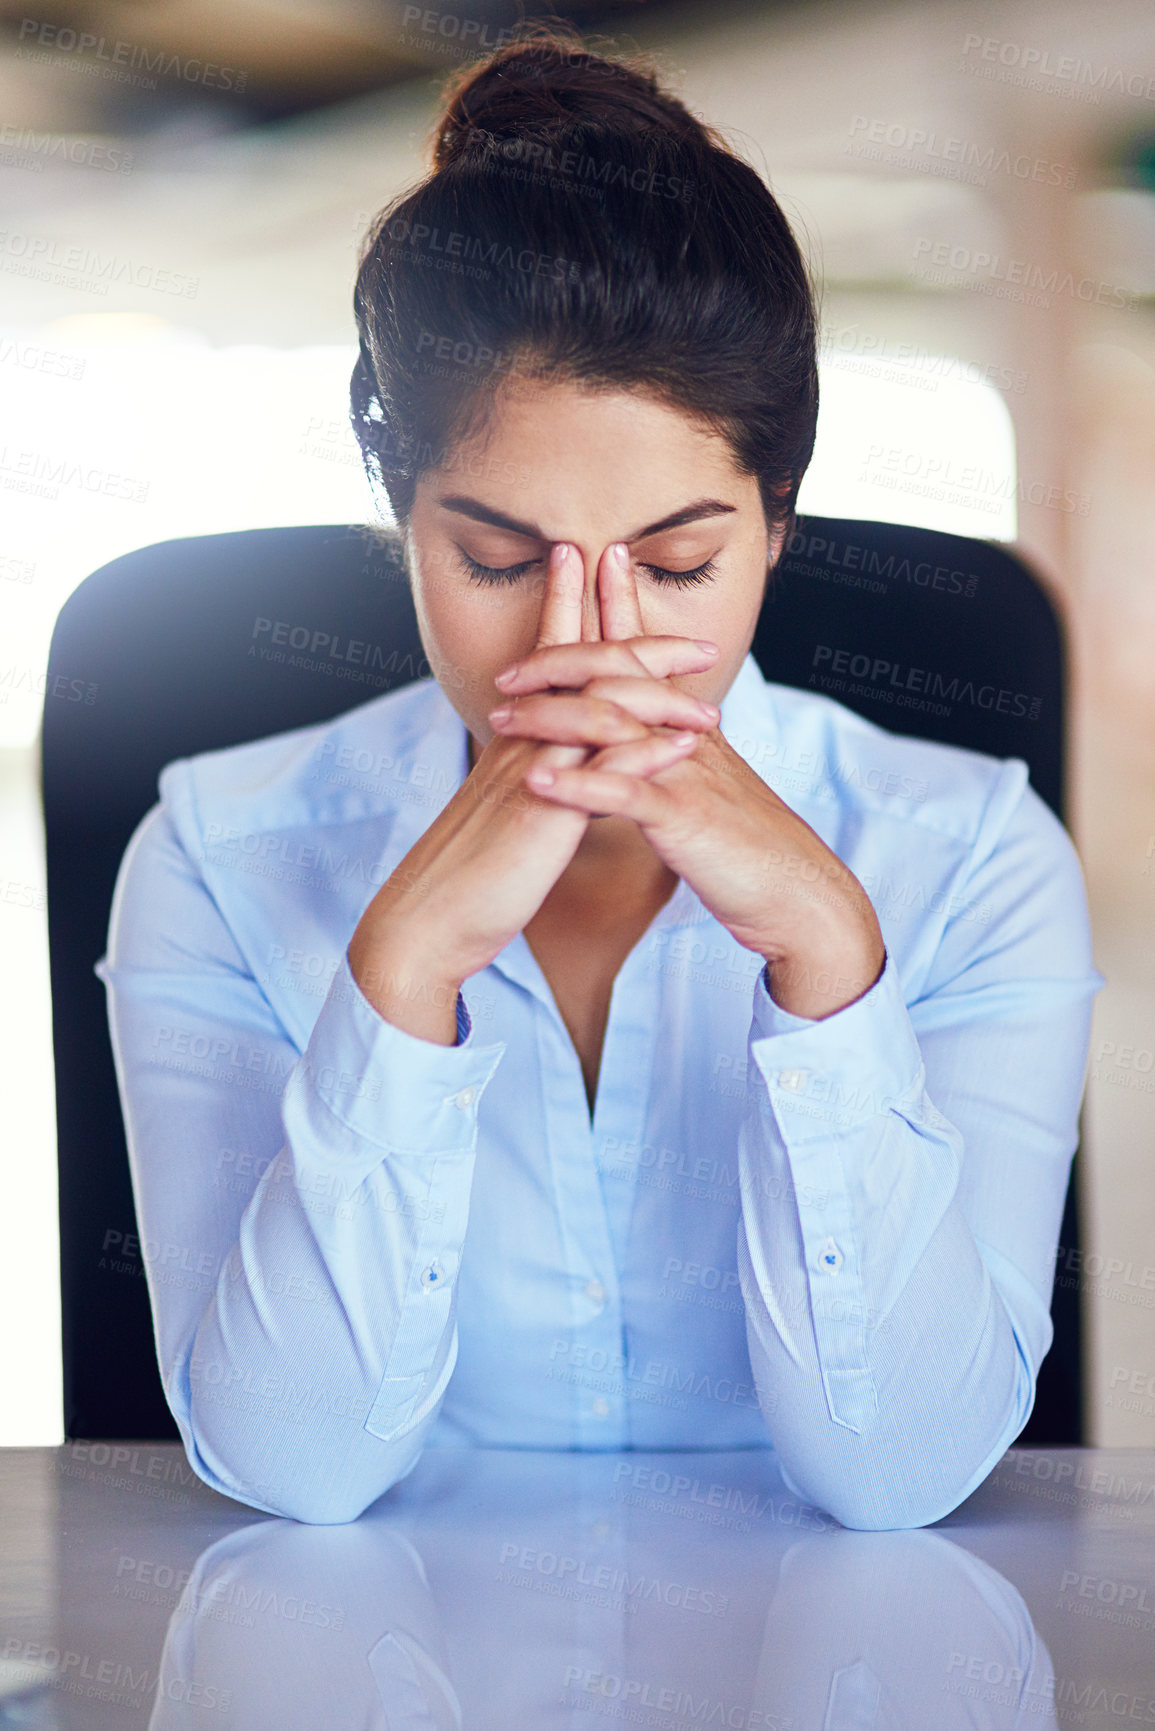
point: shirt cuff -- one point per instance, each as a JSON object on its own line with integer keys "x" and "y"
{"x": 834, "y": 1074}
{"x": 387, "y": 1086}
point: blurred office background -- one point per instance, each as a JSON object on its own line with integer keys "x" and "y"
{"x": 183, "y": 186}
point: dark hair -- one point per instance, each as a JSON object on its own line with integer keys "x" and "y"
{"x": 581, "y": 222}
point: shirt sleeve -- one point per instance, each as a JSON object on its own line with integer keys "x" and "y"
{"x": 898, "y": 1307}
{"x": 301, "y": 1213}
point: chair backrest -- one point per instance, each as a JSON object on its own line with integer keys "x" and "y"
{"x": 195, "y": 644}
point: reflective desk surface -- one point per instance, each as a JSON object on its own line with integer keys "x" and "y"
{"x": 514, "y": 1590}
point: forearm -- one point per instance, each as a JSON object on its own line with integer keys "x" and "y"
{"x": 928, "y": 1396}
{"x": 318, "y": 1367}
{"x": 897, "y": 1372}
{"x": 313, "y": 1373}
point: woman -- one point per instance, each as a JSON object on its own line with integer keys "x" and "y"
{"x": 734, "y": 1160}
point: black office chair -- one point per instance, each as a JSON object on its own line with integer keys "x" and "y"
{"x": 150, "y": 661}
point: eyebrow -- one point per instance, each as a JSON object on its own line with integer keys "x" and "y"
{"x": 467, "y": 507}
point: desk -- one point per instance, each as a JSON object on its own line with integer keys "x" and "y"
{"x": 518, "y": 1591}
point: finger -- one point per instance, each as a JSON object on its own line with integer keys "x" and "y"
{"x": 561, "y": 609}
{"x": 560, "y": 622}
{"x": 640, "y": 757}
{"x": 605, "y": 791}
{"x": 575, "y": 664}
{"x": 621, "y": 610}
{"x": 654, "y": 701}
{"x": 553, "y": 757}
{"x": 599, "y": 716}
{"x": 571, "y": 720}
{"x": 560, "y": 756}
{"x": 643, "y": 757}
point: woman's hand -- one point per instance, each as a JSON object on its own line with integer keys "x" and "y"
{"x": 755, "y": 864}
{"x": 486, "y": 863}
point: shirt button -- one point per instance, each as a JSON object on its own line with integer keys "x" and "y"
{"x": 433, "y": 1276}
{"x": 831, "y": 1258}
{"x": 465, "y": 1099}
{"x": 600, "y": 1407}
{"x": 792, "y": 1080}
{"x": 596, "y": 1293}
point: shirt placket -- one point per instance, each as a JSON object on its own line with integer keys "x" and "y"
{"x": 595, "y": 1208}
{"x": 592, "y": 1365}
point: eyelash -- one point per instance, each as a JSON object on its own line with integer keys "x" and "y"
{"x": 510, "y": 573}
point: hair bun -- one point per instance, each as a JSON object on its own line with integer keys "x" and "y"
{"x": 548, "y": 87}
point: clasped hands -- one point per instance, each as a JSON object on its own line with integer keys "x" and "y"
{"x": 755, "y": 864}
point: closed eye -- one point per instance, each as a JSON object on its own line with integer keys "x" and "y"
{"x": 683, "y": 579}
{"x": 479, "y": 573}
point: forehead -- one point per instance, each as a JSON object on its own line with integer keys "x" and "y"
{"x": 537, "y": 442}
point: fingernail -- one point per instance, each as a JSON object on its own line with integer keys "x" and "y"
{"x": 684, "y": 738}
{"x": 620, "y": 552}
{"x": 710, "y": 709}
{"x": 502, "y": 714}
{"x": 706, "y": 646}
{"x": 507, "y": 677}
{"x": 540, "y": 777}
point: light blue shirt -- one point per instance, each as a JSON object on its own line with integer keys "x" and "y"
{"x": 836, "y": 1238}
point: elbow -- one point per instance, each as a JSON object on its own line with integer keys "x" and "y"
{"x": 876, "y": 1496}
{"x": 340, "y": 1498}
{"x": 893, "y": 1514}
{"x": 897, "y": 1474}
{"x": 318, "y": 1483}
{"x": 885, "y": 1507}
{"x": 316, "y": 1500}
{"x": 877, "y": 1491}
{"x": 318, "y": 1508}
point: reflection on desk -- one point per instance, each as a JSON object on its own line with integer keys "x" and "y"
{"x": 509, "y": 1589}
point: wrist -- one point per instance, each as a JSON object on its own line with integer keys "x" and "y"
{"x": 405, "y": 986}
{"x": 817, "y": 984}
{"x": 394, "y": 932}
